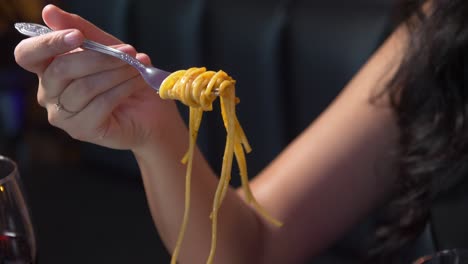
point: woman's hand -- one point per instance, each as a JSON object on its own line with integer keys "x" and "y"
{"x": 92, "y": 96}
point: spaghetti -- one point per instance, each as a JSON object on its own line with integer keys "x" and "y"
{"x": 198, "y": 89}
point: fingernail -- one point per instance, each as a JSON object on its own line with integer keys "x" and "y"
{"x": 72, "y": 39}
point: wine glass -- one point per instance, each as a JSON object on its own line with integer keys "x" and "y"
{"x": 17, "y": 239}
{"x": 450, "y": 256}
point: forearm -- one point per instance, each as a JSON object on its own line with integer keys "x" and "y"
{"x": 239, "y": 236}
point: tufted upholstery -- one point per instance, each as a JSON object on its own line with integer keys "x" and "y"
{"x": 290, "y": 59}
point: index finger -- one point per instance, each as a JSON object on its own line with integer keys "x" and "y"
{"x": 57, "y": 19}
{"x": 35, "y": 54}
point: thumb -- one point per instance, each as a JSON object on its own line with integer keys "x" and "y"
{"x": 58, "y": 19}
{"x": 34, "y": 54}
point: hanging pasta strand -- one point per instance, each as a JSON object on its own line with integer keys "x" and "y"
{"x": 198, "y": 89}
{"x": 194, "y": 124}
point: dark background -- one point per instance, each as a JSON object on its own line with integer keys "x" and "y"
{"x": 290, "y": 59}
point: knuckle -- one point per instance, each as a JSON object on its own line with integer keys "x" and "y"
{"x": 19, "y": 53}
{"x": 131, "y": 49}
{"x": 44, "y": 92}
{"x": 55, "y": 43}
{"x": 53, "y": 119}
{"x": 22, "y": 54}
{"x": 41, "y": 98}
{"x": 126, "y": 48}
{"x": 144, "y": 58}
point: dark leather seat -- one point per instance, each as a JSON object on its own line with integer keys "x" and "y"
{"x": 290, "y": 59}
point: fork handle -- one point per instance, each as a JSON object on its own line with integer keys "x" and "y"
{"x": 92, "y": 45}
{"x": 33, "y": 30}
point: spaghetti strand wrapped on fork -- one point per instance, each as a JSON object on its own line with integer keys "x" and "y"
{"x": 198, "y": 89}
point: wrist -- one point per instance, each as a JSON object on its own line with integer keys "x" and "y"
{"x": 168, "y": 137}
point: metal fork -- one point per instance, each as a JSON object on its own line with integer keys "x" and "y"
{"x": 153, "y": 76}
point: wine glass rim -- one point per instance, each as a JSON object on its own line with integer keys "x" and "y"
{"x": 13, "y": 172}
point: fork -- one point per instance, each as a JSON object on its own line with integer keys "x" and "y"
{"x": 153, "y": 76}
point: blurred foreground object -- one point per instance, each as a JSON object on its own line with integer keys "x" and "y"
{"x": 19, "y": 10}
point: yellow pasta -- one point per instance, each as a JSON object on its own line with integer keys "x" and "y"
{"x": 198, "y": 89}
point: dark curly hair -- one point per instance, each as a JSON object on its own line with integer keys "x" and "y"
{"x": 429, "y": 95}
